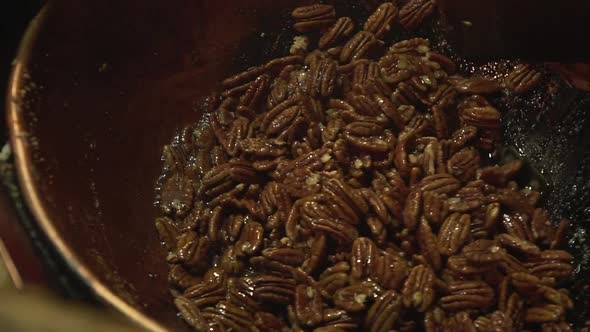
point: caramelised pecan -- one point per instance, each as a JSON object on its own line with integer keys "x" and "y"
{"x": 547, "y": 313}
{"x": 227, "y": 316}
{"x": 483, "y": 252}
{"x": 336, "y": 229}
{"x": 288, "y": 256}
{"x": 440, "y": 184}
{"x": 517, "y": 225}
{"x": 358, "y": 47}
{"x": 518, "y": 244}
{"x": 384, "y": 312}
{"x": 398, "y": 67}
{"x": 436, "y": 207}
{"x": 255, "y": 92}
{"x": 453, "y": 233}
{"x": 551, "y": 263}
{"x": 176, "y": 198}
{"x": 467, "y": 295}
{"x": 190, "y": 313}
{"x": 485, "y": 117}
{"x": 463, "y": 267}
{"x": 265, "y": 321}
{"x": 354, "y": 298}
{"x": 434, "y": 319}
{"x": 389, "y": 271}
{"x": 228, "y": 176}
{"x": 308, "y": 305}
{"x": 460, "y": 322}
{"x": 192, "y": 249}
{"x": 418, "y": 289}
{"x": 180, "y": 278}
{"x": 317, "y": 254}
{"x": 381, "y": 21}
{"x": 271, "y": 289}
{"x": 343, "y": 27}
{"x": 334, "y": 277}
{"x": 369, "y": 137}
{"x": 523, "y": 78}
{"x": 464, "y": 164}
{"x": 415, "y": 12}
{"x": 557, "y": 327}
{"x": 345, "y": 202}
{"x": 322, "y": 78}
{"x": 338, "y": 320}
{"x": 167, "y": 232}
{"x": 313, "y": 17}
{"x": 412, "y": 46}
{"x": 428, "y": 245}
{"x": 500, "y": 175}
{"x": 364, "y": 255}
{"x": 413, "y": 209}
{"x": 263, "y": 148}
{"x": 475, "y": 85}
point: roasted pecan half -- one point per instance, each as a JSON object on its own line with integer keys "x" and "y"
{"x": 358, "y": 47}
{"x": 322, "y": 78}
{"x": 468, "y": 295}
{"x": 382, "y": 20}
{"x": 313, "y": 17}
{"x": 454, "y": 232}
{"x": 523, "y": 78}
{"x": 384, "y": 312}
{"x": 428, "y": 245}
{"x": 418, "y": 291}
{"x": 308, "y": 305}
{"x": 343, "y": 27}
{"x": 547, "y": 313}
{"x": 354, "y": 298}
{"x": 415, "y": 12}
{"x": 464, "y": 164}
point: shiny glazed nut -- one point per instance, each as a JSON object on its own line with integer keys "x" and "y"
{"x": 384, "y": 312}
{"x": 382, "y": 20}
{"x": 308, "y": 305}
{"x": 354, "y": 298}
{"x": 322, "y": 79}
{"x": 453, "y": 233}
{"x": 418, "y": 289}
{"x": 358, "y": 46}
{"x": 313, "y": 17}
{"x": 343, "y": 27}
{"x": 523, "y": 78}
{"x": 415, "y": 12}
{"x": 466, "y": 295}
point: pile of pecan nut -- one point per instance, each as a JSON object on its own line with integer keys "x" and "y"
{"x": 350, "y": 188}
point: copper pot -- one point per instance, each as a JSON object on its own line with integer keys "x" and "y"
{"x": 97, "y": 89}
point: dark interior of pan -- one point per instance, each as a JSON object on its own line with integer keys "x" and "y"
{"x": 100, "y": 87}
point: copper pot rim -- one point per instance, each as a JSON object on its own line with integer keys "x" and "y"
{"x": 31, "y": 193}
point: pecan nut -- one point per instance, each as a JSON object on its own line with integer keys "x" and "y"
{"x": 454, "y": 232}
{"x": 313, "y": 17}
{"x": 467, "y": 295}
{"x": 418, "y": 290}
{"x": 381, "y": 21}
{"x": 308, "y": 305}
{"x": 354, "y": 298}
{"x": 415, "y": 12}
{"x": 384, "y": 312}
{"x": 523, "y": 78}
{"x": 343, "y": 27}
{"x": 358, "y": 47}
